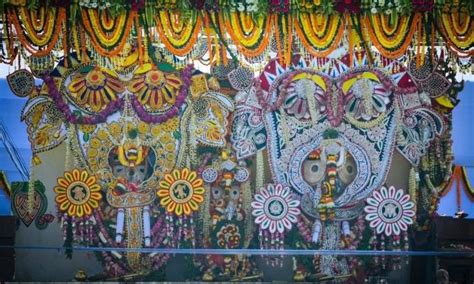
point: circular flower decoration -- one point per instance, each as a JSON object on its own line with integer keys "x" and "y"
{"x": 228, "y": 236}
{"x": 209, "y": 175}
{"x": 275, "y": 209}
{"x": 377, "y": 133}
{"x": 181, "y": 192}
{"x": 77, "y": 193}
{"x": 389, "y": 211}
{"x": 155, "y": 89}
{"x": 242, "y": 175}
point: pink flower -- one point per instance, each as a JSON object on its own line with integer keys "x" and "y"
{"x": 351, "y": 6}
{"x": 422, "y": 5}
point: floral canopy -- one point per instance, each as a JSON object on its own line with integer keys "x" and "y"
{"x": 179, "y": 31}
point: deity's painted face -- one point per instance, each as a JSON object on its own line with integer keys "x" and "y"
{"x": 131, "y": 164}
{"x": 318, "y": 167}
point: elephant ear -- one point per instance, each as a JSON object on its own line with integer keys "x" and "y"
{"x": 210, "y": 114}
{"x": 223, "y": 100}
{"x": 248, "y": 135}
{"x": 436, "y": 86}
{"x": 43, "y": 121}
{"x": 419, "y": 128}
{"x": 21, "y": 83}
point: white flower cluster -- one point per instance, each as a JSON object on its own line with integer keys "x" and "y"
{"x": 100, "y": 4}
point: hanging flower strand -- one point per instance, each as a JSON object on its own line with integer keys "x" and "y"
{"x": 100, "y": 117}
{"x": 174, "y": 110}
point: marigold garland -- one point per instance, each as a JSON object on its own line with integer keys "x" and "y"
{"x": 224, "y": 40}
{"x": 288, "y": 35}
{"x": 109, "y": 35}
{"x": 460, "y": 177}
{"x": 459, "y": 37}
{"x": 178, "y": 35}
{"x": 40, "y": 28}
{"x": 38, "y": 41}
{"x": 208, "y": 36}
{"x": 319, "y": 35}
{"x": 251, "y": 36}
{"x": 392, "y": 41}
{"x": 108, "y": 45}
{"x": 278, "y": 39}
{"x": 12, "y": 51}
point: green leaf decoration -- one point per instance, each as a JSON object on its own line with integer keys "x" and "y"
{"x": 165, "y": 67}
{"x": 86, "y": 69}
{"x": 177, "y": 135}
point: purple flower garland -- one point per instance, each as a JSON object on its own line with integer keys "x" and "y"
{"x": 174, "y": 110}
{"x": 100, "y": 117}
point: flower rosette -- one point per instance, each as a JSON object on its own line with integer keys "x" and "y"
{"x": 389, "y": 211}
{"x": 228, "y": 236}
{"x": 274, "y": 209}
{"x": 77, "y": 193}
{"x": 181, "y": 192}
{"x": 154, "y": 89}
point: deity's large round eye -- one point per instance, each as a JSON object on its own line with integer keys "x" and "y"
{"x": 234, "y": 192}
{"x": 118, "y": 171}
{"x": 348, "y": 171}
{"x": 140, "y": 172}
{"x": 313, "y": 171}
{"x": 217, "y": 192}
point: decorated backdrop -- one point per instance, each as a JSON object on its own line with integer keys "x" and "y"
{"x": 238, "y": 125}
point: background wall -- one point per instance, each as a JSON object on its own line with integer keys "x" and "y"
{"x": 49, "y": 265}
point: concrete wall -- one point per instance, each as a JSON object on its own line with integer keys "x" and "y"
{"x": 45, "y": 264}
